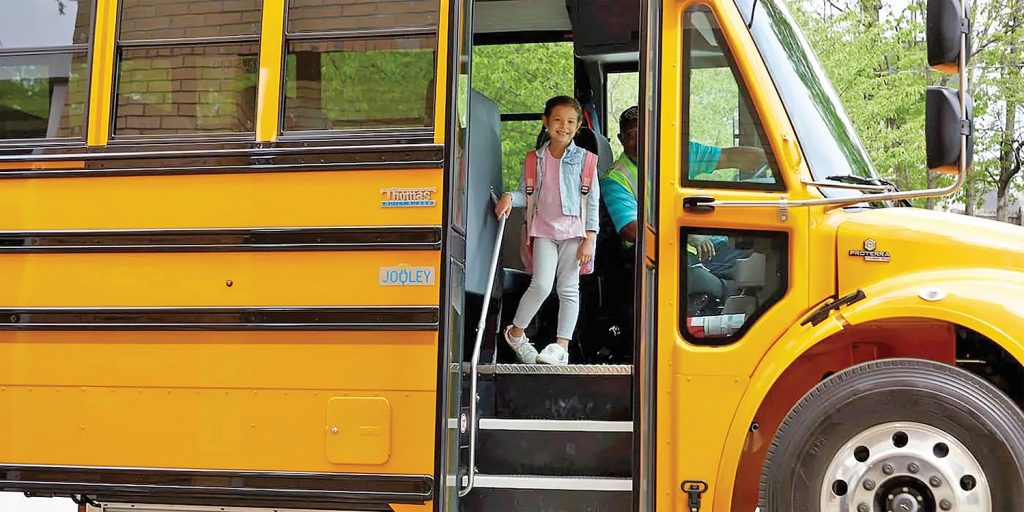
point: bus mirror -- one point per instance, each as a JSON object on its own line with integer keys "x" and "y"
{"x": 943, "y": 128}
{"x": 943, "y": 29}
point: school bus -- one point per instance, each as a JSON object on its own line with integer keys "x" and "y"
{"x": 249, "y": 261}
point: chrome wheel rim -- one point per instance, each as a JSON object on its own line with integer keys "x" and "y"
{"x": 905, "y": 467}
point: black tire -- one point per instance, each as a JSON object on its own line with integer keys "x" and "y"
{"x": 987, "y": 423}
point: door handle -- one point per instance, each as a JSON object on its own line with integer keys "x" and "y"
{"x": 698, "y": 204}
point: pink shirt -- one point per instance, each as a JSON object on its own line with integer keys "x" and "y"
{"x": 548, "y": 220}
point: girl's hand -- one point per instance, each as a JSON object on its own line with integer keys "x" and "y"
{"x": 585, "y": 254}
{"x": 504, "y": 206}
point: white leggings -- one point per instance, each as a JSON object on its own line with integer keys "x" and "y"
{"x": 554, "y": 262}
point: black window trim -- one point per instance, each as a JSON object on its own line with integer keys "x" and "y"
{"x": 342, "y": 135}
{"x": 115, "y": 82}
{"x": 87, "y": 48}
{"x": 744, "y": 92}
{"x": 748, "y": 323}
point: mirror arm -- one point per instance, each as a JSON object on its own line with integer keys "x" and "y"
{"x": 847, "y": 201}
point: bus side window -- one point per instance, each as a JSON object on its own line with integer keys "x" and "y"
{"x": 337, "y": 77}
{"x": 187, "y": 67}
{"x": 44, "y": 72}
{"x": 731, "y": 279}
{"x": 723, "y": 142}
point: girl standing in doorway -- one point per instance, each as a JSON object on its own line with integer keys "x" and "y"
{"x": 562, "y": 223}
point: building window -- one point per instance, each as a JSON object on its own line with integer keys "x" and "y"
{"x": 187, "y": 67}
{"x": 44, "y": 68}
{"x": 359, "y": 65}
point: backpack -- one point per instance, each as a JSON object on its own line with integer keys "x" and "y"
{"x": 531, "y": 167}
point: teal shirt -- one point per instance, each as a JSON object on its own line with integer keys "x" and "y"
{"x": 621, "y": 201}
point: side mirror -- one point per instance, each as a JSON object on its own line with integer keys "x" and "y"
{"x": 945, "y": 24}
{"x": 943, "y": 129}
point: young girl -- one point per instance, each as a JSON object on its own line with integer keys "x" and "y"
{"x": 561, "y": 242}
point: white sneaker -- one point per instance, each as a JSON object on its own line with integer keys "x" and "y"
{"x": 521, "y": 346}
{"x": 553, "y": 354}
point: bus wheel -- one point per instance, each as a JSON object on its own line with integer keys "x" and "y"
{"x": 898, "y": 435}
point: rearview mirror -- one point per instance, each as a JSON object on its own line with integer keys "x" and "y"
{"x": 943, "y": 128}
{"x": 945, "y": 24}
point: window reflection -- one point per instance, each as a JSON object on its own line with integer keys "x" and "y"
{"x": 181, "y": 19}
{"x": 44, "y": 73}
{"x": 172, "y": 79}
{"x": 359, "y": 84}
{"x": 346, "y": 15}
{"x": 42, "y": 96}
{"x": 192, "y": 89}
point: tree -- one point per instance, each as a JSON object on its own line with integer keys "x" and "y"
{"x": 878, "y": 67}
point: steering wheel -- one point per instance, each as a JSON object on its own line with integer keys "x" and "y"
{"x": 763, "y": 173}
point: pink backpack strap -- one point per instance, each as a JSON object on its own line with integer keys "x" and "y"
{"x": 530, "y": 172}
{"x": 586, "y": 180}
{"x": 589, "y": 170}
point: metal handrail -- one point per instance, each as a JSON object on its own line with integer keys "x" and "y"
{"x": 475, "y": 360}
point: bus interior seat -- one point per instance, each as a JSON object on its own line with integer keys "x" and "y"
{"x": 750, "y": 278}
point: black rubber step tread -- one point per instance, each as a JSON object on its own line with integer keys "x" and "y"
{"x": 578, "y": 495}
{"x": 555, "y": 453}
{"x": 607, "y": 397}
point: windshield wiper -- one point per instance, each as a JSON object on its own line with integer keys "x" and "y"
{"x": 875, "y": 182}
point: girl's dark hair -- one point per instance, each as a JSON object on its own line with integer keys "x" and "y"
{"x": 549, "y": 107}
{"x": 563, "y": 101}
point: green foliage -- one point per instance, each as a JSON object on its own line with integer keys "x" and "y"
{"x": 878, "y": 65}
{"x": 520, "y": 78}
{"x": 385, "y": 87}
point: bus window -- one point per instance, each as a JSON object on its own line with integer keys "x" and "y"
{"x": 539, "y": 71}
{"x": 187, "y": 67}
{"x": 623, "y": 89}
{"x": 44, "y": 73}
{"x": 359, "y": 66}
{"x": 723, "y": 140}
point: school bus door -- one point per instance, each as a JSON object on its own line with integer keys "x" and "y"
{"x": 724, "y": 137}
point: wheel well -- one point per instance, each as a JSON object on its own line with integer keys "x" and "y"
{"x": 908, "y": 337}
{"x": 985, "y": 358}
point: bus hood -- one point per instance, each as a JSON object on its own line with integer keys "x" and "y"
{"x": 877, "y": 244}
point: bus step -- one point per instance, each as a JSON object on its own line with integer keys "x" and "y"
{"x": 549, "y": 494}
{"x": 575, "y": 392}
{"x": 555, "y": 447}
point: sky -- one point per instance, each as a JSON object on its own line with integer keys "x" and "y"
{"x": 20, "y": 22}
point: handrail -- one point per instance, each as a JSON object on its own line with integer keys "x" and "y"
{"x": 475, "y": 360}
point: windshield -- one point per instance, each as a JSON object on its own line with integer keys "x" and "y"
{"x": 826, "y": 137}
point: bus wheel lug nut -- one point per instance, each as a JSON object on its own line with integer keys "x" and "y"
{"x": 888, "y": 469}
{"x": 935, "y": 481}
{"x": 863, "y": 507}
{"x": 945, "y": 505}
{"x": 869, "y": 484}
{"x": 913, "y": 467}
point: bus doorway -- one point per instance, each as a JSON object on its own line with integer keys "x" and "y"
{"x": 540, "y": 436}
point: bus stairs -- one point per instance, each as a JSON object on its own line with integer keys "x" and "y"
{"x": 553, "y": 439}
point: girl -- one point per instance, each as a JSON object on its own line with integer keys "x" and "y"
{"x": 561, "y": 241}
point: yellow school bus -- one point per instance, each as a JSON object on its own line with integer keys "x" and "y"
{"x": 249, "y": 262}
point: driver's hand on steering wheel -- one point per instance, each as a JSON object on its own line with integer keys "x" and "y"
{"x": 705, "y": 247}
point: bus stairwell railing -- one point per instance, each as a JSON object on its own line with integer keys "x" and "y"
{"x": 474, "y": 364}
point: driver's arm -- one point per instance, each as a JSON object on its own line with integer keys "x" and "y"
{"x": 628, "y": 232}
{"x": 741, "y": 157}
